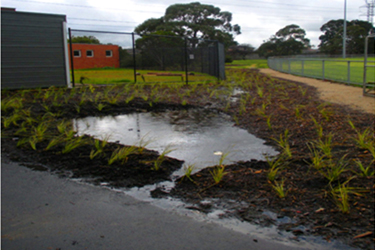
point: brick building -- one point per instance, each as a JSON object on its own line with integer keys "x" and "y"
{"x": 88, "y": 56}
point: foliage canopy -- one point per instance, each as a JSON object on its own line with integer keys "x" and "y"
{"x": 331, "y": 41}
{"x": 195, "y": 21}
{"x": 289, "y": 40}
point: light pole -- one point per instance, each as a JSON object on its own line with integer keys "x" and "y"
{"x": 344, "y": 37}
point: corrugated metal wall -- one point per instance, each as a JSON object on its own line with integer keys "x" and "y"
{"x": 32, "y": 50}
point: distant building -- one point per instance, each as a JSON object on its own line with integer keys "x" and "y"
{"x": 88, "y": 56}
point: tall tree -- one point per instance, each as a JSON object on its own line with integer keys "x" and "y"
{"x": 195, "y": 21}
{"x": 240, "y": 51}
{"x": 332, "y": 40}
{"x": 289, "y": 40}
{"x": 85, "y": 39}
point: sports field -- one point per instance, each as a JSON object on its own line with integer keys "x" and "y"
{"x": 342, "y": 70}
{"x": 118, "y": 76}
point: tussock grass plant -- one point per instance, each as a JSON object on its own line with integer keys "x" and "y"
{"x": 283, "y": 143}
{"x": 161, "y": 158}
{"x": 334, "y": 168}
{"x": 99, "y": 147}
{"x": 269, "y": 125}
{"x": 12, "y": 119}
{"x": 143, "y": 143}
{"x": 218, "y": 173}
{"x": 276, "y": 164}
{"x": 121, "y": 154}
{"x": 302, "y": 90}
{"x": 365, "y": 171}
{"x": 279, "y": 188}
{"x": 188, "y": 171}
{"x": 74, "y": 143}
{"x": 318, "y": 127}
{"x": 364, "y": 140}
{"x": 11, "y": 103}
{"x": 100, "y": 106}
{"x": 260, "y": 91}
{"x": 297, "y": 111}
{"x": 325, "y": 145}
{"x": 340, "y": 195}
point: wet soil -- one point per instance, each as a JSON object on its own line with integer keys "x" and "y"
{"x": 267, "y": 113}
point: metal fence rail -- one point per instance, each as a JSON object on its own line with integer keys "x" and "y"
{"x": 350, "y": 71}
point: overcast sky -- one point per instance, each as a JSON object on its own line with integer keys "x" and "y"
{"x": 259, "y": 19}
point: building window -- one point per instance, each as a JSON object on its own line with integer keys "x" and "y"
{"x": 90, "y": 53}
{"x": 77, "y": 53}
{"x": 108, "y": 53}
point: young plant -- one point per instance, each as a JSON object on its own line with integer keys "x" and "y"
{"x": 279, "y": 188}
{"x": 11, "y": 103}
{"x": 54, "y": 142}
{"x": 317, "y": 159}
{"x": 333, "y": 169}
{"x": 364, "y": 139}
{"x": 100, "y": 106}
{"x": 188, "y": 171}
{"x": 73, "y": 143}
{"x": 318, "y": 127}
{"x": 275, "y": 164}
{"x": 218, "y": 173}
{"x": 325, "y": 146}
{"x": 284, "y": 144}
{"x": 99, "y": 148}
{"x": 340, "y": 195}
{"x": 269, "y": 122}
{"x": 121, "y": 154}
{"x": 365, "y": 171}
{"x": 161, "y": 158}
{"x": 143, "y": 143}
{"x": 260, "y": 91}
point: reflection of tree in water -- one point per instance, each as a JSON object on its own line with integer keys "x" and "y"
{"x": 193, "y": 120}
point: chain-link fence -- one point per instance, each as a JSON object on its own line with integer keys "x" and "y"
{"x": 98, "y": 57}
{"x": 350, "y": 71}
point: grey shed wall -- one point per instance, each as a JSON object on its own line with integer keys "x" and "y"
{"x": 33, "y": 50}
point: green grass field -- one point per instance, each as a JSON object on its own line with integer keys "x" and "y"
{"x": 334, "y": 69}
{"x": 254, "y": 63}
{"x": 118, "y": 76}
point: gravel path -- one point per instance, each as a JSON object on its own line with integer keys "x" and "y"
{"x": 332, "y": 92}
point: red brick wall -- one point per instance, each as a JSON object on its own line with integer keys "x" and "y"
{"x": 99, "y": 60}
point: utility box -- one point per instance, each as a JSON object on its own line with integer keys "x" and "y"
{"x": 33, "y": 50}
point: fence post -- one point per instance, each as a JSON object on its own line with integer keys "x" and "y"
{"x": 348, "y": 80}
{"x": 323, "y": 69}
{"x": 134, "y": 61}
{"x": 71, "y": 55}
{"x": 186, "y": 62}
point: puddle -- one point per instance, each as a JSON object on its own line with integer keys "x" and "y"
{"x": 198, "y": 137}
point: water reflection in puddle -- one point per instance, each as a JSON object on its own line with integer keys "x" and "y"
{"x": 198, "y": 136}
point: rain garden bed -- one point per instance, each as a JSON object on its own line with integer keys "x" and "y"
{"x": 323, "y": 177}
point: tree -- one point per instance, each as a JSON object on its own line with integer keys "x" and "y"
{"x": 162, "y": 48}
{"x": 289, "y": 40}
{"x": 85, "y": 39}
{"x": 331, "y": 41}
{"x": 195, "y": 21}
{"x": 293, "y": 32}
{"x": 240, "y": 51}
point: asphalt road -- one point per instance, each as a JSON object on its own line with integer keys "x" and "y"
{"x": 42, "y": 211}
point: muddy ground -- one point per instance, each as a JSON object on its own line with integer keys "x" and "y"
{"x": 308, "y": 205}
